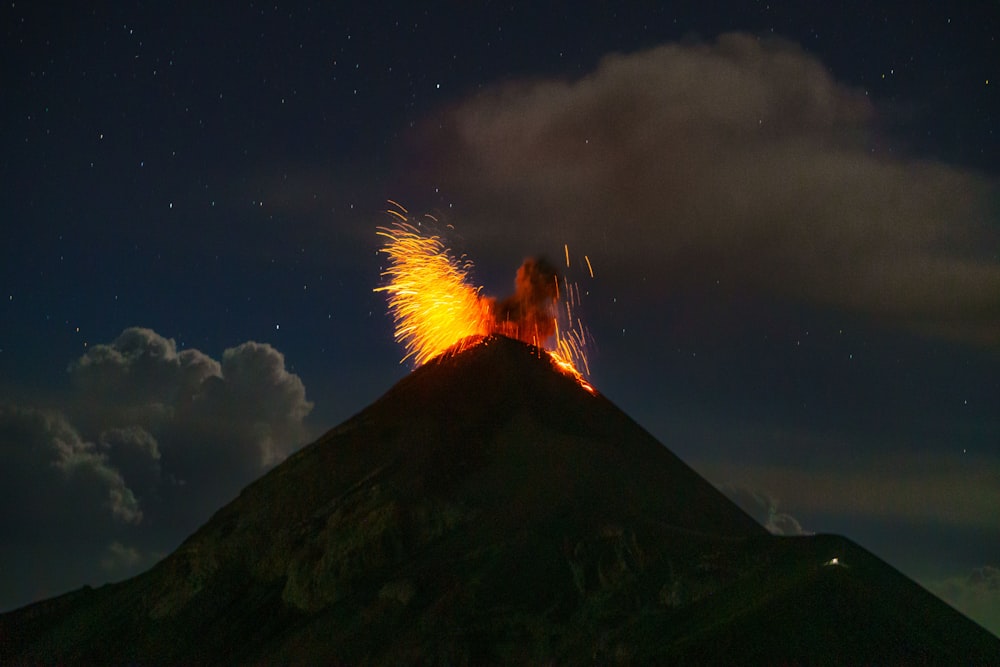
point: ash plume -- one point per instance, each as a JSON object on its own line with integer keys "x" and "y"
{"x": 529, "y": 313}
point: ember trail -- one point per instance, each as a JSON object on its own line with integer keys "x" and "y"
{"x": 434, "y": 303}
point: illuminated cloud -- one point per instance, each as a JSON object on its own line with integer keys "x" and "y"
{"x": 139, "y": 376}
{"x": 248, "y": 405}
{"x": 740, "y": 165}
{"x": 255, "y": 406}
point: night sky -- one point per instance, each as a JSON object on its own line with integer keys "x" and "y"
{"x": 793, "y": 215}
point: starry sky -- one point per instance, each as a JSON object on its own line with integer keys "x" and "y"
{"x": 792, "y": 211}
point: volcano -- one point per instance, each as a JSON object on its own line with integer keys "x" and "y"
{"x": 489, "y": 509}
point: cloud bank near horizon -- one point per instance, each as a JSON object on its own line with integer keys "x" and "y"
{"x": 149, "y": 442}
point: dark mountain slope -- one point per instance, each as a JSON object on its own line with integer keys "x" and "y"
{"x": 488, "y": 509}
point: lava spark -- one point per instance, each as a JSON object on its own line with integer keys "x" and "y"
{"x": 431, "y": 300}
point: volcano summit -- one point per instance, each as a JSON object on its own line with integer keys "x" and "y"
{"x": 489, "y": 509}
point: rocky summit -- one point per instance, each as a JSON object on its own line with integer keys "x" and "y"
{"x": 490, "y": 510}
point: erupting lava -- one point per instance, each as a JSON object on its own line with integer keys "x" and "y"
{"x": 434, "y": 305}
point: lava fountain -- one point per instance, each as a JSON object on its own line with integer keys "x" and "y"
{"x": 434, "y": 303}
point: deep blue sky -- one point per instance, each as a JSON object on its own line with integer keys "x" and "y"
{"x": 792, "y": 212}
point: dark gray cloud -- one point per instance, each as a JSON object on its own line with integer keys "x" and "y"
{"x": 149, "y": 443}
{"x": 134, "y": 453}
{"x": 740, "y": 163}
{"x": 52, "y": 479}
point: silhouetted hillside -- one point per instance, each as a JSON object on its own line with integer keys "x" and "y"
{"x": 488, "y": 509}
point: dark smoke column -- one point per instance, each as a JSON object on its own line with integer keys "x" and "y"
{"x": 529, "y": 314}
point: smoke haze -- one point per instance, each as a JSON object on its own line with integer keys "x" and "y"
{"x": 739, "y": 166}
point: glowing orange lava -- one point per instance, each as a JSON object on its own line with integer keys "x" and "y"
{"x": 434, "y": 305}
{"x": 430, "y": 298}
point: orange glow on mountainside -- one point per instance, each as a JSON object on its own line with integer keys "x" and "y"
{"x": 434, "y": 304}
